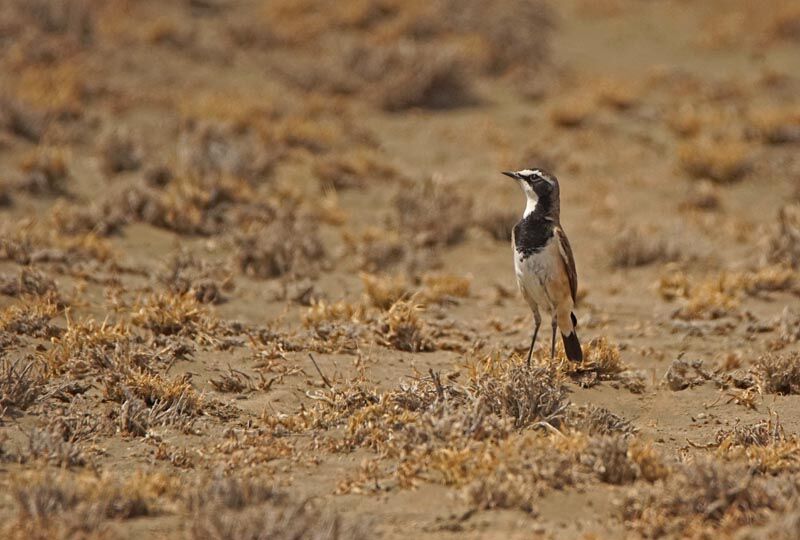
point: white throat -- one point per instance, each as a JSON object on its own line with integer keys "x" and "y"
{"x": 530, "y": 205}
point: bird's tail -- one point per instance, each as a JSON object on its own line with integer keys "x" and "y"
{"x": 572, "y": 346}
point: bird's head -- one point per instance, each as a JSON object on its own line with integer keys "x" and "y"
{"x": 538, "y": 185}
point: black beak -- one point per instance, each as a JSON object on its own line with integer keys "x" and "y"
{"x": 513, "y": 175}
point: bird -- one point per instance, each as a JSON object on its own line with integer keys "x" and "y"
{"x": 543, "y": 260}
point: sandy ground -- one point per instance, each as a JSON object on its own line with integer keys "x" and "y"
{"x": 643, "y": 79}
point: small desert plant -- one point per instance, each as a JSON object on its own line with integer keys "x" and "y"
{"x": 119, "y": 152}
{"x": 402, "y": 328}
{"x": 778, "y": 373}
{"x": 784, "y": 243}
{"x": 434, "y": 212}
{"x": 720, "y": 161}
{"x": 636, "y": 247}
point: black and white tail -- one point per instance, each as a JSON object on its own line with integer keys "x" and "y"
{"x": 571, "y": 344}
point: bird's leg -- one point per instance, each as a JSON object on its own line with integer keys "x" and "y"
{"x": 538, "y": 322}
{"x": 553, "y": 342}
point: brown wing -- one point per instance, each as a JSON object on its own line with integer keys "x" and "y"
{"x": 569, "y": 261}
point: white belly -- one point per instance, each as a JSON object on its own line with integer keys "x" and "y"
{"x": 535, "y": 275}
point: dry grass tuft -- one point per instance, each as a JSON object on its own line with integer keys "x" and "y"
{"x": 384, "y": 291}
{"x": 29, "y": 282}
{"x": 784, "y": 243}
{"x": 265, "y": 253}
{"x": 440, "y": 288}
{"x": 498, "y": 222}
{"x": 52, "y": 448}
{"x": 603, "y": 357}
{"x": 705, "y": 498}
{"x": 45, "y": 172}
{"x": 21, "y": 384}
{"x": 32, "y": 316}
{"x": 776, "y": 125}
{"x": 778, "y": 373}
{"x": 376, "y": 249}
{"x": 433, "y": 212}
{"x": 173, "y": 314}
{"x": 720, "y": 161}
{"x": 636, "y": 247}
{"x": 357, "y": 168}
{"x": 594, "y": 420}
{"x": 229, "y": 508}
{"x": 402, "y": 328}
{"x": 119, "y": 152}
{"x": 685, "y": 374}
{"x": 529, "y": 395}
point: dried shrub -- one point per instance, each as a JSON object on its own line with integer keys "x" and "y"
{"x": 285, "y": 247}
{"x": 384, "y": 291}
{"x": 29, "y": 282}
{"x": 594, "y": 420}
{"x": 376, "y": 249}
{"x": 357, "y": 168}
{"x": 529, "y": 395}
{"x": 762, "y": 433}
{"x": 407, "y": 74}
{"x": 188, "y": 274}
{"x": 402, "y": 328}
{"x": 21, "y": 384}
{"x": 778, "y": 373}
{"x": 573, "y": 111}
{"x": 776, "y": 125}
{"x": 603, "y": 357}
{"x": 227, "y": 508}
{"x": 119, "y": 152}
{"x": 703, "y": 196}
{"x": 32, "y": 317}
{"x": 498, "y": 222}
{"x": 209, "y": 150}
{"x": 705, "y": 498}
{"x": 136, "y": 418}
{"x": 635, "y": 247}
{"x": 440, "y": 288}
{"x": 72, "y": 18}
{"x": 174, "y": 314}
{"x": 685, "y": 374}
{"x": 433, "y": 212}
{"x": 720, "y": 161}
{"x": 158, "y": 393}
{"x": 66, "y": 505}
{"x": 52, "y": 448}
{"x": 789, "y": 326}
{"x": 45, "y": 172}
{"x": 784, "y": 243}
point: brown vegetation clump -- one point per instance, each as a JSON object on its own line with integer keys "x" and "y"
{"x": 778, "y": 373}
{"x": 683, "y": 374}
{"x": 433, "y": 212}
{"x": 594, "y": 420}
{"x": 705, "y": 498}
{"x": 720, "y": 161}
{"x": 498, "y": 222}
{"x": 376, "y": 249}
{"x": 357, "y": 168}
{"x": 21, "y": 384}
{"x": 119, "y": 152}
{"x": 402, "y": 328}
{"x": 285, "y": 247}
{"x": 32, "y": 317}
{"x": 442, "y": 288}
{"x": 784, "y": 243}
{"x": 529, "y": 395}
{"x": 45, "y": 172}
{"x": 29, "y": 282}
{"x": 636, "y": 247}
{"x": 384, "y": 291}
{"x": 69, "y": 505}
{"x": 173, "y": 314}
{"x": 229, "y": 509}
{"x": 776, "y": 125}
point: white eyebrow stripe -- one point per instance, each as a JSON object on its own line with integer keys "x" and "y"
{"x": 526, "y": 172}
